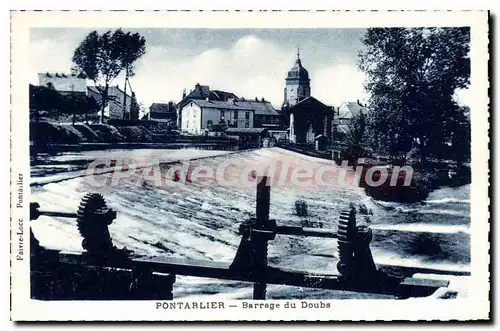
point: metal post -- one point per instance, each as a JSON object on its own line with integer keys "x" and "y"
{"x": 125, "y": 95}
{"x": 259, "y": 241}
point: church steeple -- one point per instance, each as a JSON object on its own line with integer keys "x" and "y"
{"x": 297, "y": 83}
{"x": 298, "y": 62}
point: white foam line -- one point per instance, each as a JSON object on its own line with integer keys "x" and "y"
{"x": 381, "y": 256}
{"x": 447, "y": 200}
{"x": 422, "y": 227}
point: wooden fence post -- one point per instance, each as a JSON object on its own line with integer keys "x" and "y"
{"x": 259, "y": 240}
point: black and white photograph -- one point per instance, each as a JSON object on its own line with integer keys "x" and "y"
{"x": 251, "y": 173}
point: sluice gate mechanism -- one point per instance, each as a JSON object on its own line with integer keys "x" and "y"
{"x": 105, "y": 272}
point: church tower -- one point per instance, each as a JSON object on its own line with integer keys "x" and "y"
{"x": 297, "y": 84}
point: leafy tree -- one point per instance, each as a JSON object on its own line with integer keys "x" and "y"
{"x": 134, "y": 108}
{"x": 458, "y": 128}
{"x": 102, "y": 57}
{"x": 78, "y": 104}
{"x": 44, "y": 99}
{"x": 355, "y": 138}
{"x": 412, "y": 75}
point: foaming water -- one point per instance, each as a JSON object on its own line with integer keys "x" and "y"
{"x": 199, "y": 221}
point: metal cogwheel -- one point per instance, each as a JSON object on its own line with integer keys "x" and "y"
{"x": 92, "y": 224}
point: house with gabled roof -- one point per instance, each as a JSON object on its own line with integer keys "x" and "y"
{"x": 199, "y": 115}
{"x": 203, "y": 92}
{"x": 120, "y": 105}
{"x": 308, "y": 119}
{"x": 346, "y": 112}
{"x": 162, "y": 112}
{"x": 203, "y": 109}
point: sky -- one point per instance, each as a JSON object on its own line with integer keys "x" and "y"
{"x": 248, "y": 62}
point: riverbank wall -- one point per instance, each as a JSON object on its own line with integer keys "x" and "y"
{"x": 46, "y": 137}
{"x": 425, "y": 178}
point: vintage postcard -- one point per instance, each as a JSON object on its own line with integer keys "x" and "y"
{"x": 249, "y": 166}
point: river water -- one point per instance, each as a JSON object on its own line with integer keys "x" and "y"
{"x": 200, "y": 220}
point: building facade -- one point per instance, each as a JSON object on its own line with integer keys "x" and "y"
{"x": 309, "y": 119}
{"x": 199, "y": 115}
{"x": 201, "y": 92}
{"x": 119, "y": 106}
{"x": 203, "y": 109}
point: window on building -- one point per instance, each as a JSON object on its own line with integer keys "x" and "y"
{"x": 209, "y": 123}
{"x": 236, "y": 115}
{"x": 221, "y": 115}
{"x": 247, "y": 115}
{"x": 247, "y": 125}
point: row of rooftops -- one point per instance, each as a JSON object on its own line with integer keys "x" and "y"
{"x": 74, "y": 83}
{"x": 61, "y": 75}
{"x": 226, "y": 100}
{"x": 258, "y": 107}
{"x": 204, "y": 97}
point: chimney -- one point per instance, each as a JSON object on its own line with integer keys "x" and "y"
{"x": 256, "y": 99}
{"x": 183, "y": 94}
{"x": 263, "y": 100}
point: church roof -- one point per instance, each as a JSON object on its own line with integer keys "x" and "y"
{"x": 298, "y": 71}
{"x": 308, "y": 103}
